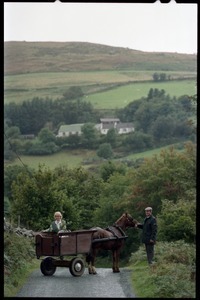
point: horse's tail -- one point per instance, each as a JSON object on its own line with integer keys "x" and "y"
{"x": 89, "y": 255}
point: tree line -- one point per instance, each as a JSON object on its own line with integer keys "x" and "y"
{"x": 157, "y": 118}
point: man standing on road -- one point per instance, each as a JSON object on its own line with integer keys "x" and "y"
{"x": 149, "y": 233}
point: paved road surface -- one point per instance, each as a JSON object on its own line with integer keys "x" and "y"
{"x": 105, "y": 284}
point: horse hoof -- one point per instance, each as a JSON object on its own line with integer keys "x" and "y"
{"x": 94, "y": 272}
{"x": 116, "y": 271}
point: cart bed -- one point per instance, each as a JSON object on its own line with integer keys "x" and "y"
{"x": 66, "y": 243}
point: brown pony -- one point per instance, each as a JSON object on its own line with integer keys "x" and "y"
{"x": 111, "y": 238}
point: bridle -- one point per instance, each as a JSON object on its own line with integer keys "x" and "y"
{"x": 128, "y": 219}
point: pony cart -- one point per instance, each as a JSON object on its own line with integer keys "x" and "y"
{"x": 54, "y": 245}
{"x": 87, "y": 242}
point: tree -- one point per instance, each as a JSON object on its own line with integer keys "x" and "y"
{"x": 74, "y": 192}
{"x": 42, "y": 149}
{"x": 10, "y": 174}
{"x": 73, "y": 141}
{"x": 156, "y": 77}
{"x": 73, "y": 92}
{"x": 89, "y": 135}
{"x": 88, "y": 200}
{"x": 8, "y": 152}
{"x": 105, "y": 151}
{"x": 36, "y": 197}
{"x": 163, "y": 76}
{"x": 84, "y": 190}
{"x": 34, "y": 115}
{"x": 177, "y": 221}
{"x": 168, "y": 175}
{"x": 13, "y": 132}
{"x": 163, "y": 127}
{"x": 138, "y": 141}
{"x": 46, "y": 136}
{"x": 109, "y": 168}
{"x": 11, "y": 141}
{"x": 144, "y": 116}
{"x": 111, "y": 137}
{"x": 150, "y": 94}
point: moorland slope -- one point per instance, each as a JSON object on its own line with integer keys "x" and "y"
{"x": 33, "y": 57}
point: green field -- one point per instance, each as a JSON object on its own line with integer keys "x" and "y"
{"x": 69, "y": 158}
{"x": 121, "y": 96}
{"x": 151, "y": 153}
{"x": 19, "y": 88}
{"x": 74, "y": 158}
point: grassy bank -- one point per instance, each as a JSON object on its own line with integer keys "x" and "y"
{"x": 173, "y": 275}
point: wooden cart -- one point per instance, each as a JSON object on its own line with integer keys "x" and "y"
{"x": 54, "y": 245}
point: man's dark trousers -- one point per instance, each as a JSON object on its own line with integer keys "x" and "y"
{"x": 150, "y": 252}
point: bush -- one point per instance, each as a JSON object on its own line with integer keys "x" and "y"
{"x": 18, "y": 255}
{"x": 43, "y": 149}
{"x": 172, "y": 276}
{"x": 17, "y": 251}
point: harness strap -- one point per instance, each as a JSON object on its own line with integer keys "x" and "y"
{"x": 119, "y": 228}
{"x": 109, "y": 229}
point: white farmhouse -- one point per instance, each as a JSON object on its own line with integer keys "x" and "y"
{"x": 103, "y": 127}
{"x": 67, "y": 130}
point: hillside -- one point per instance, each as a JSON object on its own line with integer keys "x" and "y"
{"x": 33, "y": 57}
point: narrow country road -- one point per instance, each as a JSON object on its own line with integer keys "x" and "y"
{"x": 105, "y": 284}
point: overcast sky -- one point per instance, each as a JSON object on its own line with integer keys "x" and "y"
{"x": 148, "y": 27}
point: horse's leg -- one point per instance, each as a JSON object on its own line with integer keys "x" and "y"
{"x": 89, "y": 268}
{"x": 116, "y": 261}
{"x": 88, "y": 260}
{"x": 93, "y": 269}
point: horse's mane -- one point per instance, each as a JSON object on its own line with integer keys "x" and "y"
{"x": 122, "y": 216}
{"x": 119, "y": 219}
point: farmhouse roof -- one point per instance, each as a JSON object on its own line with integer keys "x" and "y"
{"x": 71, "y": 127}
{"x": 124, "y": 125}
{"x": 117, "y": 126}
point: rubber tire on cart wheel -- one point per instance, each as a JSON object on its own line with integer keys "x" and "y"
{"x": 77, "y": 266}
{"x": 47, "y": 267}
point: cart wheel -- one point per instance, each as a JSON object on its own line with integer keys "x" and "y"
{"x": 47, "y": 267}
{"x": 77, "y": 266}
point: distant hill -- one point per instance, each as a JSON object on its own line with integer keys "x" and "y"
{"x": 32, "y": 57}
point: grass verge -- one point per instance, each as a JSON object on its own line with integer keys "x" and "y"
{"x": 13, "y": 283}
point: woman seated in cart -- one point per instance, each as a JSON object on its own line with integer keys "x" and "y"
{"x": 58, "y": 225}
